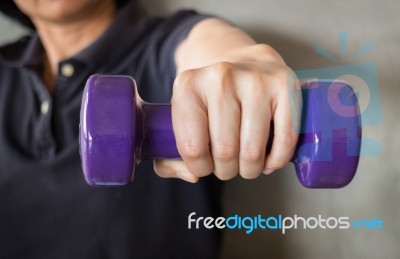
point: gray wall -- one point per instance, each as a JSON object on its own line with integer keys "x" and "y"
{"x": 294, "y": 28}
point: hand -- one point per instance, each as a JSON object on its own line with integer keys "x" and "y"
{"x": 222, "y": 114}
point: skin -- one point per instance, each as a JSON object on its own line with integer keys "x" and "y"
{"x": 224, "y": 96}
{"x": 66, "y": 27}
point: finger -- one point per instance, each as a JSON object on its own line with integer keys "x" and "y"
{"x": 190, "y": 123}
{"x": 224, "y": 122}
{"x": 254, "y": 130}
{"x": 173, "y": 169}
{"x": 285, "y": 135}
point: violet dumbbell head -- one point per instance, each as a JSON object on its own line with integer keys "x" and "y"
{"x": 107, "y": 130}
{"x": 118, "y": 130}
{"x": 328, "y": 149}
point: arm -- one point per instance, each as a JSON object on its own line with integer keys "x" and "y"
{"x": 227, "y": 91}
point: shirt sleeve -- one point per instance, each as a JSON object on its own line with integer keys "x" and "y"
{"x": 177, "y": 29}
{"x": 164, "y": 42}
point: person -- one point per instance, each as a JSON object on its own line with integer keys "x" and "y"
{"x": 225, "y": 90}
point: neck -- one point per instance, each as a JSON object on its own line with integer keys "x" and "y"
{"x": 63, "y": 40}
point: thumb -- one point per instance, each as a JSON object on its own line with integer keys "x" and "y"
{"x": 173, "y": 169}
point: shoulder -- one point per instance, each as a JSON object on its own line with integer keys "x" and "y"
{"x": 12, "y": 53}
{"x": 162, "y": 36}
{"x": 184, "y": 17}
{"x": 177, "y": 24}
{"x": 166, "y": 34}
{"x": 11, "y": 61}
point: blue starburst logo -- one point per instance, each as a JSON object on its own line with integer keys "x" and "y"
{"x": 362, "y": 77}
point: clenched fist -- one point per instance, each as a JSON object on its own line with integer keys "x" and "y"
{"x": 227, "y": 92}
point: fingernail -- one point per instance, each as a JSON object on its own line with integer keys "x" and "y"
{"x": 186, "y": 176}
{"x": 268, "y": 171}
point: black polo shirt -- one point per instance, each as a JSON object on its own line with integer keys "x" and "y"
{"x": 46, "y": 208}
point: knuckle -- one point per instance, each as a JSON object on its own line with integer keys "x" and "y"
{"x": 225, "y": 176}
{"x": 286, "y": 72}
{"x": 185, "y": 75}
{"x": 289, "y": 141}
{"x": 250, "y": 175}
{"x": 250, "y": 154}
{"x": 221, "y": 72}
{"x": 184, "y": 79}
{"x": 224, "y": 152}
{"x": 202, "y": 173}
{"x": 264, "y": 48}
{"x": 222, "y": 67}
{"x": 192, "y": 151}
{"x": 281, "y": 77}
{"x": 266, "y": 51}
{"x": 277, "y": 163}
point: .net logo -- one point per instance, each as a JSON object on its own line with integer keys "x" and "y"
{"x": 249, "y": 224}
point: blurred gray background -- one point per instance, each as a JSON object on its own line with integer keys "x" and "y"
{"x": 294, "y": 28}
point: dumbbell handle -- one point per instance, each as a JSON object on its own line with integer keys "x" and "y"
{"x": 158, "y": 136}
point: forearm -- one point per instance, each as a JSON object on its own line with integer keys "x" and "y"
{"x": 212, "y": 41}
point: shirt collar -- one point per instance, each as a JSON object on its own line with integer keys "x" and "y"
{"x": 111, "y": 47}
{"x": 103, "y": 54}
{"x": 26, "y": 52}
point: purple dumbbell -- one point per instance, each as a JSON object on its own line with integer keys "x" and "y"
{"x": 118, "y": 130}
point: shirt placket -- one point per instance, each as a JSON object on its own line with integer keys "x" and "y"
{"x": 43, "y": 133}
